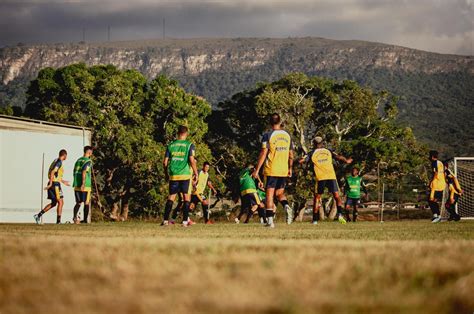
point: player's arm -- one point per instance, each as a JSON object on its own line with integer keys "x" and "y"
{"x": 457, "y": 186}
{"x": 51, "y": 178}
{"x": 192, "y": 162}
{"x": 261, "y": 160}
{"x": 85, "y": 168}
{"x": 209, "y": 184}
{"x": 166, "y": 162}
{"x": 346, "y": 160}
{"x": 290, "y": 163}
{"x": 364, "y": 189}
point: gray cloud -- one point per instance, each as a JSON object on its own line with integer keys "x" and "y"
{"x": 436, "y": 25}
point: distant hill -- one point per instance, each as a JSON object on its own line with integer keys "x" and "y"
{"x": 437, "y": 90}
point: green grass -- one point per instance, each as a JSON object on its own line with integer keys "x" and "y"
{"x": 410, "y": 266}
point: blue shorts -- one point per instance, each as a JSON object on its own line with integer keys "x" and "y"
{"x": 250, "y": 199}
{"x": 180, "y": 186}
{"x": 55, "y": 193}
{"x": 352, "y": 201}
{"x": 276, "y": 183}
{"x": 331, "y": 185}
{"x": 196, "y": 199}
{"x": 83, "y": 197}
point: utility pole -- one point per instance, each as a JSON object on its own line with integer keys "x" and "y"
{"x": 108, "y": 33}
{"x": 164, "y": 28}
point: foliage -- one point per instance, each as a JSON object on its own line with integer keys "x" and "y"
{"x": 132, "y": 121}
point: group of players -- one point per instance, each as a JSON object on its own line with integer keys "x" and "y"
{"x": 275, "y": 162}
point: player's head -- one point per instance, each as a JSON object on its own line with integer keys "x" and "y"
{"x": 62, "y": 154}
{"x": 318, "y": 142}
{"x": 88, "y": 151}
{"x": 355, "y": 171}
{"x": 250, "y": 166}
{"x": 206, "y": 166}
{"x": 433, "y": 155}
{"x": 182, "y": 131}
{"x": 275, "y": 120}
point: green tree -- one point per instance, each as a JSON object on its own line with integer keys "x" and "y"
{"x": 132, "y": 122}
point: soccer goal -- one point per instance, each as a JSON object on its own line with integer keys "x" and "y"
{"x": 463, "y": 168}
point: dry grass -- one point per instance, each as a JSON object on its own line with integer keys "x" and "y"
{"x": 140, "y": 267}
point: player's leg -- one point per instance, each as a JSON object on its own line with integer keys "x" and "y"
{"x": 433, "y": 202}
{"x": 281, "y": 197}
{"x": 261, "y": 212}
{"x": 173, "y": 191}
{"x": 270, "y": 194}
{"x": 355, "y": 211}
{"x": 254, "y": 203}
{"x": 87, "y": 201}
{"x": 186, "y": 187}
{"x": 177, "y": 209}
{"x": 59, "y": 209}
{"x": 54, "y": 201}
{"x": 334, "y": 190}
{"x": 451, "y": 208}
{"x": 205, "y": 209}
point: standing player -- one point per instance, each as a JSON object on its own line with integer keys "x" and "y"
{"x": 437, "y": 186}
{"x": 322, "y": 160}
{"x": 198, "y": 194}
{"x": 455, "y": 192}
{"x": 180, "y": 170}
{"x": 55, "y": 194}
{"x": 277, "y": 155}
{"x": 354, "y": 184}
{"x": 83, "y": 184}
{"x": 249, "y": 195}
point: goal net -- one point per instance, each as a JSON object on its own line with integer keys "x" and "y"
{"x": 463, "y": 168}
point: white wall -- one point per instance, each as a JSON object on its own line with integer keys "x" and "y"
{"x": 22, "y": 145}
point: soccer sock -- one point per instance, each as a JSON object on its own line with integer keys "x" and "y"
{"x": 434, "y": 208}
{"x": 269, "y": 214}
{"x": 168, "y": 207}
{"x": 76, "y": 210}
{"x": 315, "y": 216}
{"x": 261, "y": 212}
{"x": 86, "y": 212}
{"x": 284, "y": 203}
{"x": 205, "y": 213}
{"x": 58, "y": 219}
{"x": 249, "y": 215}
{"x": 176, "y": 211}
{"x": 185, "y": 212}
{"x": 41, "y": 213}
{"x": 340, "y": 210}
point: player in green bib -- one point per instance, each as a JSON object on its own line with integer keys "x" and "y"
{"x": 181, "y": 171}
{"x": 82, "y": 184}
{"x": 249, "y": 195}
{"x": 354, "y": 185}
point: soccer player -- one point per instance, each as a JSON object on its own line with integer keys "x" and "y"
{"x": 249, "y": 195}
{"x": 198, "y": 194}
{"x": 437, "y": 185}
{"x": 455, "y": 192}
{"x": 83, "y": 184}
{"x": 353, "y": 186}
{"x": 276, "y": 156}
{"x": 181, "y": 171}
{"x": 55, "y": 194}
{"x": 322, "y": 160}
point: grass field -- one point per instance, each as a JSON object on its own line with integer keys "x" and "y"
{"x": 410, "y": 266}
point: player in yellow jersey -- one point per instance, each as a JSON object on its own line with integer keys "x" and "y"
{"x": 455, "y": 192}
{"x": 276, "y": 158}
{"x": 322, "y": 161}
{"x": 55, "y": 194}
{"x": 437, "y": 186}
{"x": 198, "y": 194}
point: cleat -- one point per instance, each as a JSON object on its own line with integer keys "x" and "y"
{"x": 315, "y": 222}
{"x": 209, "y": 222}
{"x": 341, "y": 219}
{"x": 37, "y": 219}
{"x": 436, "y": 219}
{"x": 457, "y": 218}
{"x": 171, "y": 222}
{"x": 186, "y": 224}
{"x": 237, "y": 221}
{"x": 164, "y": 223}
{"x": 76, "y": 221}
{"x": 289, "y": 214}
{"x": 270, "y": 225}
{"x": 190, "y": 222}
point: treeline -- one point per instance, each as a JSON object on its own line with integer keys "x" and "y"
{"x": 133, "y": 120}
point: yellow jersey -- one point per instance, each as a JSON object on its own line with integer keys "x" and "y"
{"x": 454, "y": 186}
{"x": 203, "y": 177}
{"x": 57, "y": 169}
{"x": 321, "y": 158}
{"x": 438, "y": 183}
{"x": 279, "y": 145}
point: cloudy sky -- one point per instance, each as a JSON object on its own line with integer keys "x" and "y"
{"x": 435, "y": 25}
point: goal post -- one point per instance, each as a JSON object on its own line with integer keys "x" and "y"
{"x": 463, "y": 168}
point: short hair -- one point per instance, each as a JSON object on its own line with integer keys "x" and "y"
{"x": 206, "y": 163}
{"x": 87, "y": 148}
{"x": 182, "y": 129}
{"x": 434, "y": 154}
{"x": 275, "y": 119}
{"x": 356, "y": 168}
{"x": 62, "y": 152}
{"x": 318, "y": 140}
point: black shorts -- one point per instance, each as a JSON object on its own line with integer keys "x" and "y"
{"x": 250, "y": 199}
{"x": 331, "y": 185}
{"x": 196, "y": 199}
{"x": 55, "y": 192}
{"x": 83, "y": 196}
{"x": 437, "y": 195}
{"x": 276, "y": 183}
{"x": 180, "y": 186}
{"x": 352, "y": 201}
